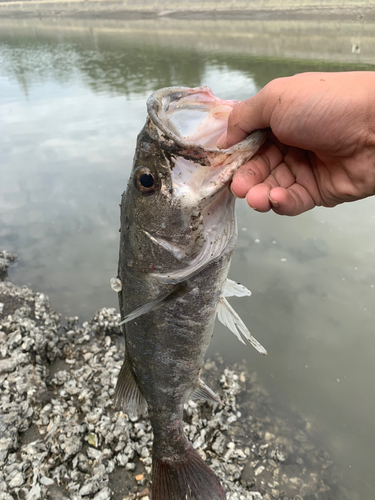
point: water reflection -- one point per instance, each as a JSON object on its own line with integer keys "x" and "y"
{"x": 115, "y": 68}
{"x": 72, "y": 104}
{"x": 140, "y": 57}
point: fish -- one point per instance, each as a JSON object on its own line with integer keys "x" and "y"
{"x": 178, "y": 234}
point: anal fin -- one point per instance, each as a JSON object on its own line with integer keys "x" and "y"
{"x": 127, "y": 394}
{"x": 202, "y": 391}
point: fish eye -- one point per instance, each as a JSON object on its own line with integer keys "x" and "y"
{"x": 145, "y": 180}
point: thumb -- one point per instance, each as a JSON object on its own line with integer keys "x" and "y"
{"x": 222, "y": 141}
{"x": 246, "y": 117}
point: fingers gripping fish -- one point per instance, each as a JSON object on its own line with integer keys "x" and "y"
{"x": 178, "y": 233}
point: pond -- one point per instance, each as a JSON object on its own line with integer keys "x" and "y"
{"x": 72, "y": 103}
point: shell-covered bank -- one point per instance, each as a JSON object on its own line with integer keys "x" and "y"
{"x": 62, "y": 438}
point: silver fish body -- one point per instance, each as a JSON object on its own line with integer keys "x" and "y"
{"x": 178, "y": 233}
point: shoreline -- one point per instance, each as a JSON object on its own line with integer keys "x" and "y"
{"x": 62, "y": 438}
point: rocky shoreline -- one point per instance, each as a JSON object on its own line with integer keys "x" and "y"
{"x": 61, "y": 437}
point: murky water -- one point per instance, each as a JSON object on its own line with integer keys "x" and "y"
{"x": 72, "y": 100}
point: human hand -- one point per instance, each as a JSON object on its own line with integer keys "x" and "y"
{"x": 321, "y": 146}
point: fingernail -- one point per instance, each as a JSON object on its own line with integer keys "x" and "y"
{"x": 274, "y": 203}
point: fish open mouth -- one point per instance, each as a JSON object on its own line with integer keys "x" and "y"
{"x": 193, "y": 118}
{"x": 189, "y": 123}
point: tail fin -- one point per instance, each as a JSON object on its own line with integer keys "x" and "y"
{"x": 184, "y": 477}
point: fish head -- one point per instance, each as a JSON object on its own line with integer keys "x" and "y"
{"x": 180, "y": 211}
{"x": 152, "y": 210}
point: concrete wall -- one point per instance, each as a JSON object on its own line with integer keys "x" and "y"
{"x": 165, "y": 6}
{"x": 340, "y": 41}
{"x": 332, "y": 30}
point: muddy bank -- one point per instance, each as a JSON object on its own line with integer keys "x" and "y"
{"x": 61, "y": 438}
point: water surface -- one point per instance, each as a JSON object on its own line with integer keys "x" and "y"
{"x": 72, "y": 103}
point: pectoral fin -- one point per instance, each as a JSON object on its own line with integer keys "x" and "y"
{"x": 232, "y": 288}
{"x": 202, "y": 391}
{"x": 228, "y": 316}
{"x": 145, "y": 308}
{"x": 127, "y": 394}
